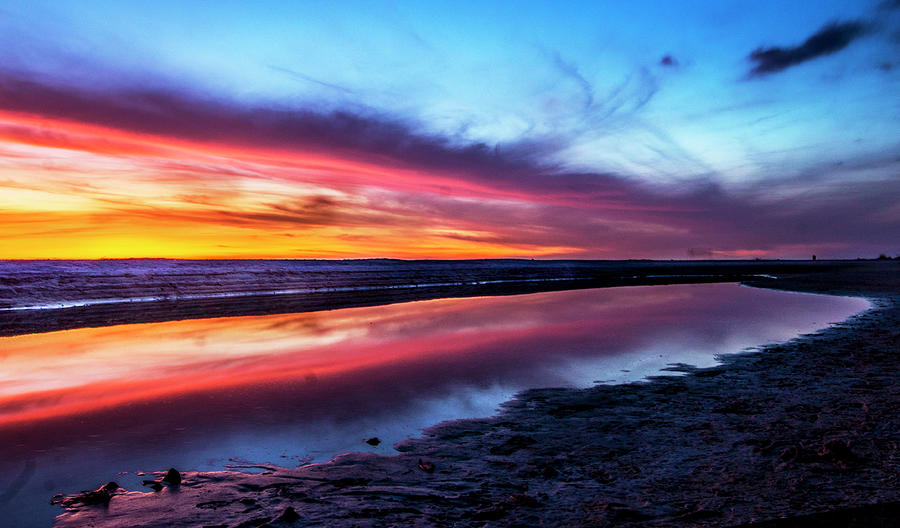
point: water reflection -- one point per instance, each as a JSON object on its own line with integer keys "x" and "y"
{"x": 78, "y": 406}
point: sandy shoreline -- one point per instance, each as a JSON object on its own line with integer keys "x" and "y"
{"x": 48, "y": 296}
{"x": 801, "y": 428}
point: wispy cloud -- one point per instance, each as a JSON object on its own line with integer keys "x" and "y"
{"x": 571, "y": 71}
{"x": 306, "y": 78}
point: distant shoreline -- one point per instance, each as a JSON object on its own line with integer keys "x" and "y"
{"x": 62, "y": 295}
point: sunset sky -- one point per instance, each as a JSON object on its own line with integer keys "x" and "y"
{"x": 643, "y": 129}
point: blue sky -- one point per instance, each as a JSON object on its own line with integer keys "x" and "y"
{"x": 656, "y": 93}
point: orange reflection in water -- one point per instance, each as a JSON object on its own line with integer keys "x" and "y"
{"x": 85, "y": 371}
{"x": 79, "y": 371}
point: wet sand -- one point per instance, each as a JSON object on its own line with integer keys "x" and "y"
{"x": 805, "y": 430}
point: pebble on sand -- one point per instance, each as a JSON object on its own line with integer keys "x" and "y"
{"x": 425, "y": 466}
{"x": 101, "y": 495}
{"x": 173, "y": 477}
{"x": 289, "y": 515}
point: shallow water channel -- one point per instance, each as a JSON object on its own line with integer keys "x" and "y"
{"x": 82, "y": 407}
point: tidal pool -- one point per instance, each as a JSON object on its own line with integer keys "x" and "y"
{"x": 82, "y": 407}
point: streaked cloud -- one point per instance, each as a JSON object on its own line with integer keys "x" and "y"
{"x": 828, "y": 40}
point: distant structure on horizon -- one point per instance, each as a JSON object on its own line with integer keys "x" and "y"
{"x": 700, "y": 253}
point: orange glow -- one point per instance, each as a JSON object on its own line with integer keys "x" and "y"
{"x": 112, "y": 236}
{"x": 72, "y": 190}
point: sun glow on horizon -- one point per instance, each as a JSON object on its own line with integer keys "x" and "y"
{"x": 419, "y": 138}
{"x": 113, "y": 194}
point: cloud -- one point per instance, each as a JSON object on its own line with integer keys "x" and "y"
{"x": 571, "y": 71}
{"x": 306, "y": 78}
{"x": 668, "y": 60}
{"x": 464, "y": 192}
{"x": 357, "y": 135}
{"x": 600, "y": 113}
{"x": 830, "y": 39}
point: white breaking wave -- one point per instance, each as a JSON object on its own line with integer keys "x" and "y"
{"x": 296, "y": 291}
{"x": 58, "y": 305}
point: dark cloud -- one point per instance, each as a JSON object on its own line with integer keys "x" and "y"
{"x": 317, "y": 210}
{"x": 830, "y": 39}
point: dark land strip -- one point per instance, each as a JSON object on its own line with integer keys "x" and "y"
{"x": 383, "y": 281}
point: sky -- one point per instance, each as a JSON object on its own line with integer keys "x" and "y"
{"x": 596, "y": 130}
